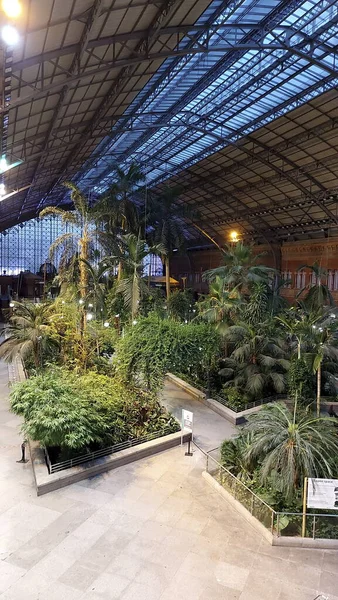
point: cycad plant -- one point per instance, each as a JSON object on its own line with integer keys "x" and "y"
{"x": 291, "y": 445}
{"x": 259, "y": 361}
{"x": 29, "y": 333}
{"x": 74, "y": 244}
{"x": 132, "y": 285}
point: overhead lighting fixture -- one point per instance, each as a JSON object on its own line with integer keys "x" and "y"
{"x": 9, "y": 35}
{"x": 234, "y": 236}
{"x": 2, "y": 191}
{"x": 6, "y": 166}
{"x": 11, "y": 8}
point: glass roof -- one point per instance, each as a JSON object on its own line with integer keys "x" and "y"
{"x": 203, "y": 102}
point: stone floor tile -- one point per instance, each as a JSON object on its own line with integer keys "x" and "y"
{"x": 258, "y": 587}
{"x": 109, "y": 586}
{"x": 219, "y": 592}
{"x": 9, "y": 574}
{"x": 328, "y": 583}
{"x": 125, "y": 565}
{"x": 231, "y": 576}
{"x": 79, "y": 576}
{"x": 139, "y": 591}
{"x": 297, "y": 592}
{"x": 330, "y": 561}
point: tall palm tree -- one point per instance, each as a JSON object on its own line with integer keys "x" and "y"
{"x": 240, "y": 268}
{"x": 323, "y": 347}
{"x": 98, "y": 283}
{"x": 220, "y": 306}
{"x": 75, "y": 244}
{"x": 166, "y": 223}
{"x": 318, "y": 294}
{"x": 29, "y": 333}
{"x": 291, "y": 445}
{"x": 298, "y": 325}
{"x": 258, "y": 362}
{"x": 132, "y": 285}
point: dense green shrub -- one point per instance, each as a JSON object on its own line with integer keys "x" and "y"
{"x": 235, "y": 397}
{"x": 69, "y": 411}
{"x": 301, "y": 380}
{"x": 180, "y": 305}
{"x": 152, "y": 347}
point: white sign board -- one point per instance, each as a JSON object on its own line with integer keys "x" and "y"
{"x": 187, "y": 420}
{"x": 322, "y": 493}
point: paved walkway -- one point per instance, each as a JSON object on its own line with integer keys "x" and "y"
{"x": 153, "y": 530}
{"x": 209, "y": 428}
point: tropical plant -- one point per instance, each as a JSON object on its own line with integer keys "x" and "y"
{"x": 153, "y": 346}
{"x": 98, "y": 284}
{"x": 298, "y": 325}
{"x": 180, "y": 304}
{"x": 318, "y": 294}
{"x": 29, "y": 333}
{"x": 256, "y": 308}
{"x": 290, "y": 445}
{"x": 132, "y": 285}
{"x": 323, "y": 347}
{"x": 74, "y": 245}
{"x": 234, "y": 455}
{"x": 166, "y": 225}
{"x": 116, "y": 213}
{"x": 240, "y": 269}
{"x": 220, "y": 306}
{"x": 258, "y": 363}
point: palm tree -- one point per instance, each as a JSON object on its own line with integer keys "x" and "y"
{"x": 220, "y": 306}
{"x": 240, "y": 269}
{"x": 29, "y": 333}
{"x": 115, "y": 212}
{"x": 291, "y": 445}
{"x": 132, "y": 285}
{"x": 323, "y": 346}
{"x": 299, "y": 325}
{"x": 167, "y": 228}
{"x": 74, "y": 244}
{"x": 98, "y": 283}
{"x": 318, "y": 295}
{"x": 258, "y": 362}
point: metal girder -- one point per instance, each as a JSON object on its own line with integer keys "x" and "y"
{"x": 283, "y": 39}
{"x": 91, "y": 19}
{"x": 288, "y": 40}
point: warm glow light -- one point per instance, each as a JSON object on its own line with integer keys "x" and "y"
{"x": 11, "y": 8}
{"x": 234, "y": 236}
{"x": 9, "y": 35}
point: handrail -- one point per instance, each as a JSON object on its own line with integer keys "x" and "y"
{"x": 102, "y": 452}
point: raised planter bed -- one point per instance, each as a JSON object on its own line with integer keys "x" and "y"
{"x": 45, "y": 482}
{"x": 236, "y": 418}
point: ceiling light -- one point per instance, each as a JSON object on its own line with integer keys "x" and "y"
{"x": 9, "y": 35}
{"x": 2, "y": 190}
{"x": 11, "y": 8}
{"x": 6, "y": 166}
{"x": 234, "y": 236}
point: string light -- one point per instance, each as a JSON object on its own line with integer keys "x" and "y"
{"x": 89, "y": 316}
{"x": 106, "y": 324}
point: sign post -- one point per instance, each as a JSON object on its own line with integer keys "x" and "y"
{"x": 304, "y": 506}
{"x": 187, "y": 425}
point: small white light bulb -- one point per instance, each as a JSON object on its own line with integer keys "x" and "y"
{"x": 106, "y": 324}
{"x": 90, "y": 305}
{"x": 134, "y": 322}
{"x": 81, "y": 301}
{"x": 89, "y": 316}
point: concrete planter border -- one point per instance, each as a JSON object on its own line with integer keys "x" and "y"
{"x": 292, "y": 542}
{"x": 236, "y": 418}
{"x": 45, "y": 482}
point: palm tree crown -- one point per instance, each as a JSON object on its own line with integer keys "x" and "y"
{"x": 291, "y": 445}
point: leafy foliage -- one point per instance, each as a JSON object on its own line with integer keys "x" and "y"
{"x": 61, "y": 409}
{"x": 153, "y": 347}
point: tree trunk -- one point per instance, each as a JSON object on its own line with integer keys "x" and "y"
{"x": 319, "y": 384}
{"x": 84, "y": 254}
{"x": 167, "y": 276}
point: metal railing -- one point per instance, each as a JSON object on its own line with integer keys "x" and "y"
{"x": 280, "y": 524}
{"x": 97, "y": 454}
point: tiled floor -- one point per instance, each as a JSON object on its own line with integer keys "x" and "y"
{"x": 153, "y": 530}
